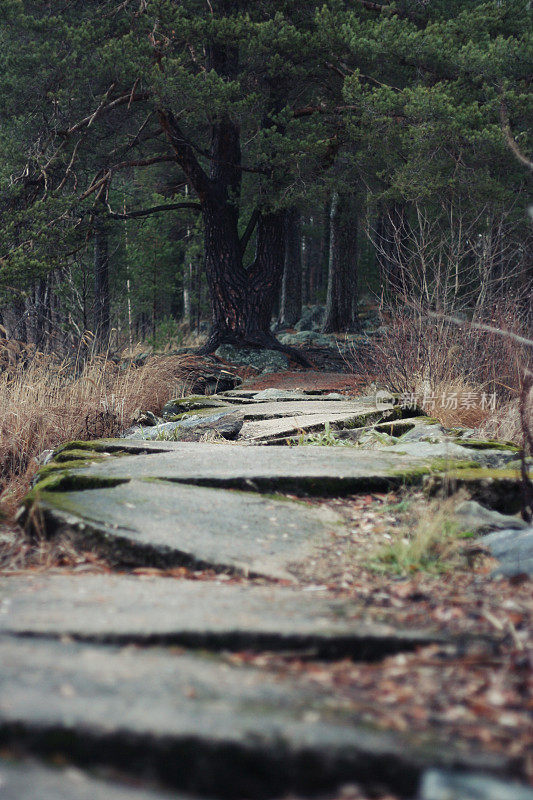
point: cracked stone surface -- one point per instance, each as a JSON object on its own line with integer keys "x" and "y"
{"x": 122, "y": 608}
{"x": 202, "y": 723}
{"x": 159, "y": 523}
{"x": 226, "y": 423}
{"x": 23, "y": 780}
{"x": 350, "y": 409}
{"x": 93, "y": 666}
{"x": 304, "y": 470}
{"x": 446, "y": 785}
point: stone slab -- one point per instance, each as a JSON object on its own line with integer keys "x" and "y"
{"x": 164, "y": 524}
{"x": 449, "y": 450}
{"x": 127, "y": 609}
{"x": 476, "y": 518}
{"x": 445, "y": 785}
{"x": 29, "y": 780}
{"x": 200, "y": 724}
{"x": 352, "y": 410}
{"x": 299, "y": 470}
{"x": 513, "y": 549}
{"x": 225, "y": 423}
{"x": 285, "y": 395}
{"x": 268, "y": 429}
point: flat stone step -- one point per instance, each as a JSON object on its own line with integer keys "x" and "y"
{"x": 202, "y": 725}
{"x": 164, "y": 524}
{"x": 300, "y": 470}
{"x": 268, "y": 429}
{"x": 29, "y": 780}
{"x": 352, "y": 410}
{"x": 126, "y": 609}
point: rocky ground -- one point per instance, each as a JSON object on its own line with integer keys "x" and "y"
{"x": 269, "y": 592}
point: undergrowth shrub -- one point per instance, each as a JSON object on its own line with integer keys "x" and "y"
{"x": 458, "y": 374}
{"x": 47, "y": 402}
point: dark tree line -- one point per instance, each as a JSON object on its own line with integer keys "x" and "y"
{"x": 234, "y": 161}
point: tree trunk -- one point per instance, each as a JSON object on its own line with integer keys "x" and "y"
{"x": 342, "y": 296}
{"x": 291, "y": 292}
{"x": 242, "y": 299}
{"x": 101, "y": 282}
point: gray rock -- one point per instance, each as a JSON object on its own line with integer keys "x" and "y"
{"x": 312, "y": 318}
{"x": 301, "y": 470}
{"x": 147, "y": 419}
{"x": 124, "y": 609}
{"x": 201, "y": 724}
{"x": 226, "y": 423}
{"x": 447, "y": 785}
{"x": 181, "y": 405}
{"x": 355, "y": 410}
{"x": 476, "y": 518}
{"x": 265, "y": 361}
{"x": 309, "y": 338}
{"x": 425, "y": 433}
{"x": 165, "y": 524}
{"x": 285, "y": 395}
{"x": 282, "y": 428}
{"x": 279, "y": 395}
{"x": 499, "y": 489}
{"x": 28, "y": 780}
{"x": 513, "y": 549}
{"x": 448, "y": 449}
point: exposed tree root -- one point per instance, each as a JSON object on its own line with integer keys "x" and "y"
{"x": 259, "y": 339}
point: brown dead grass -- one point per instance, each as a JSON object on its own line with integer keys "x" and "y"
{"x": 454, "y": 372}
{"x": 48, "y": 402}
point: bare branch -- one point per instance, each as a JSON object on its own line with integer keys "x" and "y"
{"x": 145, "y": 212}
{"x": 506, "y": 128}
{"x": 185, "y": 154}
{"x": 127, "y": 98}
{"x": 481, "y": 326}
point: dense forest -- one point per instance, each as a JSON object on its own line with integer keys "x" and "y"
{"x": 213, "y": 166}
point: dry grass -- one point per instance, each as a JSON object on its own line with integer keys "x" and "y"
{"x": 430, "y": 539}
{"x": 460, "y": 375}
{"x": 46, "y": 403}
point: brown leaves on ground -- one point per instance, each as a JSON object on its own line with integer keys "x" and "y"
{"x": 434, "y": 695}
{"x": 479, "y": 692}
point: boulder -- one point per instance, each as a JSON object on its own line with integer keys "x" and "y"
{"x": 312, "y": 318}
{"x": 309, "y": 338}
{"x": 264, "y": 361}
{"x": 440, "y": 784}
{"x": 182, "y": 405}
{"x": 226, "y": 424}
{"x": 425, "y": 432}
{"x": 513, "y": 549}
{"x": 476, "y": 518}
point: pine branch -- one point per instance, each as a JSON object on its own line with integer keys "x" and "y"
{"x": 145, "y": 212}
{"x": 185, "y": 154}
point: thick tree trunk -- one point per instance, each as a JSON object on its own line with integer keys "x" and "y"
{"x": 291, "y": 292}
{"x": 101, "y": 282}
{"x": 242, "y": 300}
{"x": 342, "y": 296}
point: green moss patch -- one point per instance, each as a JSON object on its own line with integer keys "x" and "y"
{"x": 479, "y": 444}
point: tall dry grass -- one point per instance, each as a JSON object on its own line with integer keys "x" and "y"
{"x": 461, "y": 375}
{"x": 46, "y": 402}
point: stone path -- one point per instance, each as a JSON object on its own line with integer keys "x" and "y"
{"x": 122, "y": 609}
{"x": 111, "y": 672}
